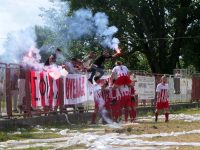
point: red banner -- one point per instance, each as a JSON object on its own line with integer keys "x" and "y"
{"x": 44, "y": 90}
{"x": 75, "y": 89}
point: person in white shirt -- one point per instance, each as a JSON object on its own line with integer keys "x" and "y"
{"x": 99, "y": 101}
{"x": 121, "y": 75}
{"x": 162, "y": 98}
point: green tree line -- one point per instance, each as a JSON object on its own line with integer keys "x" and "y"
{"x": 155, "y": 35}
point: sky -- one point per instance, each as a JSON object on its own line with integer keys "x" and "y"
{"x": 16, "y": 15}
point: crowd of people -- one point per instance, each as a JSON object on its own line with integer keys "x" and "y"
{"x": 114, "y": 97}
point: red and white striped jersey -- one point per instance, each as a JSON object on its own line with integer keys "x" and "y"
{"x": 120, "y": 71}
{"x": 98, "y": 97}
{"x": 122, "y": 91}
{"x": 162, "y": 92}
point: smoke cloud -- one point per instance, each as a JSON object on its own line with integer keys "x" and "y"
{"x": 17, "y": 45}
{"x": 82, "y": 24}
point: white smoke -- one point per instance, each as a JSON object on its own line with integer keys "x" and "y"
{"x": 18, "y": 44}
{"x": 32, "y": 59}
{"x": 82, "y": 24}
{"x": 17, "y": 21}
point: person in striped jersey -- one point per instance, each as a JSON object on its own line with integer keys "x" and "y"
{"x": 98, "y": 90}
{"x": 162, "y": 98}
{"x": 121, "y": 75}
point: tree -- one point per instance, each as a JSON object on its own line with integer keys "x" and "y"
{"x": 156, "y": 28}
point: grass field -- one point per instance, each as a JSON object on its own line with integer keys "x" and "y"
{"x": 181, "y": 132}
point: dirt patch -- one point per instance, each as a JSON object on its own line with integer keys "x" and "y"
{"x": 152, "y": 127}
{"x": 184, "y": 148}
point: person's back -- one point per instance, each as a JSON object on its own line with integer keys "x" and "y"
{"x": 121, "y": 70}
{"x": 122, "y": 73}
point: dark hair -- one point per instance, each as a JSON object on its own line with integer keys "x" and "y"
{"x": 58, "y": 49}
{"x": 74, "y": 59}
{"x": 118, "y": 63}
{"x": 96, "y": 78}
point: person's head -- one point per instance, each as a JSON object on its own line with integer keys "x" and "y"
{"x": 52, "y": 59}
{"x": 118, "y": 63}
{"x": 164, "y": 79}
{"x": 58, "y": 50}
{"x": 74, "y": 60}
{"x": 97, "y": 79}
{"x": 178, "y": 72}
{"x": 105, "y": 53}
{"x": 92, "y": 54}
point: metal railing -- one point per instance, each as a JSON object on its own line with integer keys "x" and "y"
{"x": 15, "y": 101}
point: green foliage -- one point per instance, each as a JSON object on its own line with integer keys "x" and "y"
{"x": 153, "y": 34}
{"x": 3, "y": 136}
{"x": 155, "y": 28}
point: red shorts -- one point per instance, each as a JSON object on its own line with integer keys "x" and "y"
{"x": 162, "y": 105}
{"x": 96, "y": 104}
{"x": 115, "y": 106}
{"x": 123, "y": 80}
{"x": 107, "y": 105}
{"x": 125, "y": 101}
{"x": 133, "y": 103}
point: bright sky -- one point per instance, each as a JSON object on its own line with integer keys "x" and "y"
{"x": 16, "y": 15}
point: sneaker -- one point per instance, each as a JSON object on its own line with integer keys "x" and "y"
{"x": 90, "y": 80}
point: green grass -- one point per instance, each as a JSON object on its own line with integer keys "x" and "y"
{"x": 38, "y": 148}
{"x": 28, "y": 132}
{"x": 187, "y": 111}
{"x": 76, "y": 146}
{"x": 27, "y": 135}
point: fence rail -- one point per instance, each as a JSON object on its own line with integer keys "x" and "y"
{"x": 15, "y": 92}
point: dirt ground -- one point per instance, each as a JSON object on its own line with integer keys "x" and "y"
{"x": 182, "y": 132}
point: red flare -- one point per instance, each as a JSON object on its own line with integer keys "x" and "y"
{"x": 118, "y": 50}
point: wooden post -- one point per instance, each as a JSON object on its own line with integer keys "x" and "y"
{"x": 28, "y": 94}
{"x": 8, "y": 92}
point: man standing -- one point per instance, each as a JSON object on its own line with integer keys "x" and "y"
{"x": 98, "y": 64}
{"x": 99, "y": 101}
{"x": 162, "y": 98}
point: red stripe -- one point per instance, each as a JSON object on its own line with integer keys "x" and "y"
{"x": 42, "y": 89}
{"x": 82, "y": 87}
{"x": 50, "y": 96}
{"x": 58, "y": 87}
{"x": 67, "y": 88}
{"x": 33, "y": 88}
